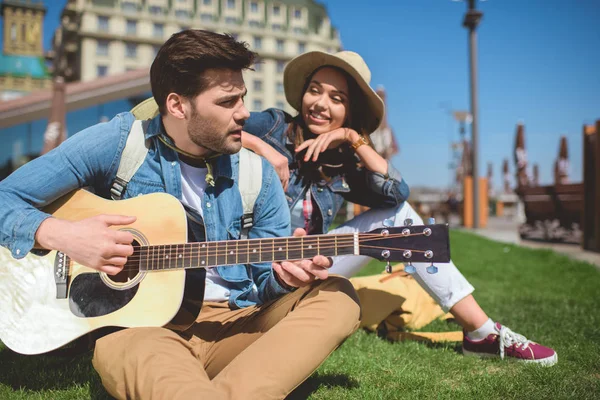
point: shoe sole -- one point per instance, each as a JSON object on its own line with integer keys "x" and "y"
{"x": 546, "y": 362}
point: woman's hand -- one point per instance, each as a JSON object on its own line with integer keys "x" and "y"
{"x": 329, "y": 140}
{"x": 280, "y": 163}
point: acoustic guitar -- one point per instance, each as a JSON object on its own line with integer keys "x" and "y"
{"x": 48, "y": 301}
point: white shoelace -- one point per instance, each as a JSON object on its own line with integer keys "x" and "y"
{"x": 508, "y": 338}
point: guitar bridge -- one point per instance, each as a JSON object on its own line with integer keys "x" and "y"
{"x": 61, "y": 274}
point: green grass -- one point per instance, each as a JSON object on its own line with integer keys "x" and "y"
{"x": 547, "y": 297}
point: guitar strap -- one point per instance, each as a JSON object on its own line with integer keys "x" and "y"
{"x": 132, "y": 158}
{"x": 136, "y": 148}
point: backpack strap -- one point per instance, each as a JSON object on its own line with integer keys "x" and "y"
{"x": 249, "y": 182}
{"x": 132, "y": 158}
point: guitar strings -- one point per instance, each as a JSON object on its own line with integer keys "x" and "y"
{"x": 212, "y": 248}
{"x": 216, "y": 254}
{"x": 214, "y": 251}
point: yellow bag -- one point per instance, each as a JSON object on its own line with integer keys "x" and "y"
{"x": 395, "y": 302}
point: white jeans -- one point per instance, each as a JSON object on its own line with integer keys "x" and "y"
{"x": 447, "y": 286}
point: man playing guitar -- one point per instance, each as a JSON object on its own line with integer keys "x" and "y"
{"x": 262, "y": 328}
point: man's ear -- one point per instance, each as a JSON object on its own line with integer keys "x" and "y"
{"x": 176, "y": 105}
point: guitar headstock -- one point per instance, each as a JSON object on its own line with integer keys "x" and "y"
{"x": 415, "y": 243}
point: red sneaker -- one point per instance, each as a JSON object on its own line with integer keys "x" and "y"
{"x": 506, "y": 343}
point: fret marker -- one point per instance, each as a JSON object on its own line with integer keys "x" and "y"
{"x": 280, "y": 249}
{"x": 202, "y": 262}
{"x": 167, "y": 256}
{"x": 254, "y": 250}
{"x": 231, "y": 252}
{"x": 310, "y": 246}
{"x": 203, "y": 246}
{"x": 180, "y": 255}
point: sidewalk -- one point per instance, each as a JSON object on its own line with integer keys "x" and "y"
{"x": 504, "y": 230}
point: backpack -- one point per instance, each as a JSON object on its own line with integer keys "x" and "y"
{"x": 136, "y": 148}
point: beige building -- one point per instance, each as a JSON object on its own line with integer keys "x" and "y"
{"x": 110, "y": 37}
{"x": 22, "y": 65}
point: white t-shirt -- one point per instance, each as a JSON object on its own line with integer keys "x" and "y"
{"x": 193, "y": 184}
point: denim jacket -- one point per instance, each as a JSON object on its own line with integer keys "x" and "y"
{"x": 353, "y": 183}
{"x": 90, "y": 158}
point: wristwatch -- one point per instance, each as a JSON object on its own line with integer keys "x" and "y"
{"x": 359, "y": 142}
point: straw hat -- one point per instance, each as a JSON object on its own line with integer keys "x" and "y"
{"x": 300, "y": 68}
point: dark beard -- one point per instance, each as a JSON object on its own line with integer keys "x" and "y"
{"x": 202, "y": 133}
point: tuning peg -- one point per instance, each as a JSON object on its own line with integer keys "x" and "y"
{"x": 388, "y": 267}
{"x": 432, "y": 269}
{"x": 410, "y": 269}
{"x": 388, "y": 223}
{"x": 408, "y": 222}
{"x": 430, "y": 221}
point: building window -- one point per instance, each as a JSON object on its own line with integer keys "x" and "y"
{"x": 301, "y": 47}
{"x": 155, "y": 10}
{"x": 279, "y": 87}
{"x": 129, "y": 7}
{"x": 277, "y": 27}
{"x": 258, "y": 85}
{"x": 102, "y": 23}
{"x": 257, "y": 105}
{"x": 131, "y": 27}
{"x": 298, "y": 14}
{"x": 280, "y": 66}
{"x": 276, "y": 10}
{"x": 102, "y": 48}
{"x": 257, "y": 43}
{"x": 182, "y": 14}
{"x": 155, "y": 50}
{"x": 207, "y": 2}
{"x": 206, "y": 17}
{"x": 298, "y": 31}
{"x": 101, "y": 70}
{"x": 130, "y": 50}
{"x": 231, "y": 4}
{"x": 13, "y": 32}
{"x": 159, "y": 30}
{"x": 279, "y": 46}
{"x": 258, "y": 67}
{"x": 280, "y": 105}
{"x": 230, "y": 20}
{"x": 254, "y": 24}
{"x": 254, "y": 6}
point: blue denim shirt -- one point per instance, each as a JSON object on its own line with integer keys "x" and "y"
{"x": 353, "y": 183}
{"x": 90, "y": 158}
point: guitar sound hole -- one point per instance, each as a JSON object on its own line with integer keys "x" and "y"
{"x": 131, "y": 269}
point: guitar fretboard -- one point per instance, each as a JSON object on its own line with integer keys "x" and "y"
{"x": 231, "y": 252}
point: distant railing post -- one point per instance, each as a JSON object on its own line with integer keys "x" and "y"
{"x": 591, "y": 184}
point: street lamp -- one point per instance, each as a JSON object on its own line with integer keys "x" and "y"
{"x": 471, "y": 21}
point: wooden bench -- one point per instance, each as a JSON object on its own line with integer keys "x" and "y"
{"x": 553, "y": 212}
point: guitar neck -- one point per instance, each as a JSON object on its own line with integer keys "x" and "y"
{"x": 231, "y": 252}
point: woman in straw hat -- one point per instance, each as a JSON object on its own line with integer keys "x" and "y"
{"x": 323, "y": 157}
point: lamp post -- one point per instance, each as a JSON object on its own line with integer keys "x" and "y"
{"x": 471, "y": 21}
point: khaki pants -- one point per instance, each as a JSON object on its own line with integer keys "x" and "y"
{"x": 259, "y": 352}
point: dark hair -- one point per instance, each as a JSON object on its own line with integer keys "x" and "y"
{"x": 355, "y": 120}
{"x": 181, "y": 61}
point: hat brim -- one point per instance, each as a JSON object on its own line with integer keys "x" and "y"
{"x": 300, "y": 68}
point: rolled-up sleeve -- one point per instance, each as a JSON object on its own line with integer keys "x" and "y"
{"x": 376, "y": 190}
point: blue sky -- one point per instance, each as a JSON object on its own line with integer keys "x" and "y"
{"x": 538, "y": 62}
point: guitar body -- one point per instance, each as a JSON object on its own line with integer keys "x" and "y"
{"x": 33, "y": 320}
